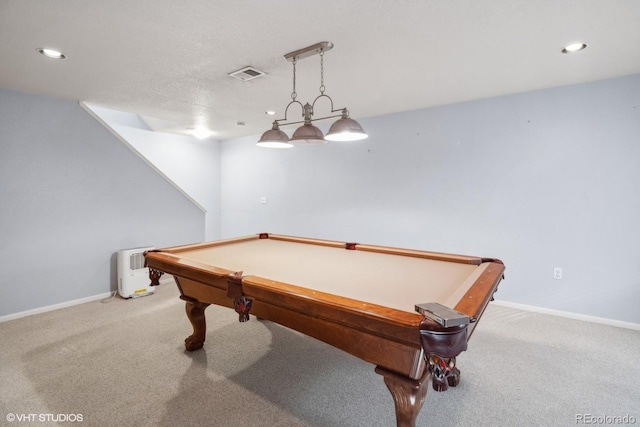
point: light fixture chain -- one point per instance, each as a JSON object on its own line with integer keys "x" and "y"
{"x": 322, "y": 88}
{"x": 294, "y": 94}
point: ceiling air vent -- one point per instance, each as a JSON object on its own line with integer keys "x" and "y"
{"x": 246, "y": 74}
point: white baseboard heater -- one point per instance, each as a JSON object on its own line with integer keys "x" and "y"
{"x": 133, "y": 276}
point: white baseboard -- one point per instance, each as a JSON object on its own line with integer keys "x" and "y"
{"x": 569, "y": 315}
{"x": 53, "y": 307}
{"x": 166, "y": 278}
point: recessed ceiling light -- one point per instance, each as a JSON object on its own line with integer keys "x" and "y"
{"x": 270, "y": 113}
{"x": 51, "y": 53}
{"x": 201, "y": 132}
{"x": 573, "y": 47}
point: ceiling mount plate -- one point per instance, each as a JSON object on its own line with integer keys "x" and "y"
{"x": 308, "y": 51}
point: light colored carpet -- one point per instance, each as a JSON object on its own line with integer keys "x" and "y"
{"x": 123, "y": 363}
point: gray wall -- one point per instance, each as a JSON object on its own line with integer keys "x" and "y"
{"x": 193, "y": 165}
{"x": 71, "y": 196}
{"x": 541, "y": 180}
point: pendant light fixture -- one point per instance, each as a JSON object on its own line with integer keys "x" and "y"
{"x": 344, "y": 129}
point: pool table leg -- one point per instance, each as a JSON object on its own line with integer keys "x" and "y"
{"x": 408, "y": 395}
{"x": 195, "y": 313}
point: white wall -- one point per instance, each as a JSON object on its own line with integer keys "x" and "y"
{"x": 541, "y": 180}
{"x": 71, "y": 196}
{"x": 192, "y": 165}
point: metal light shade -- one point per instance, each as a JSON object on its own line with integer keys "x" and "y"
{"x": 274, "y": 138}
{"x": 346, "y": 129}
{"x": 308, "y": 134}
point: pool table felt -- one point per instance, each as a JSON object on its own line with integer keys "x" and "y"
{"x": 392, "y": 281}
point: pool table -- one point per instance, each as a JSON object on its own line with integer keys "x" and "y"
{"x": 356, "y": 297}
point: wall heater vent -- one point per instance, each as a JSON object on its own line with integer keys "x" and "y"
{"x": 133, "y": 276}
{"x": 136, "y": 261}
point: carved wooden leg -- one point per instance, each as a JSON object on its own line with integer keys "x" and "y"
{"x": 195, "y": 313}
{"x": 444, "y": 372}
{"x": 242, "y": 306}
{"x": 154, "y": 276}
{"x": 408, "y": 395}
{"x": 454, "y": 379}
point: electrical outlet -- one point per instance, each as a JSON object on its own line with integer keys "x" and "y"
{"x": 263, "y": 199}
{"x": 557, "y": 273}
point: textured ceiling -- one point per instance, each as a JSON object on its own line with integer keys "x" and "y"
{"x": 168, "y": 60}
